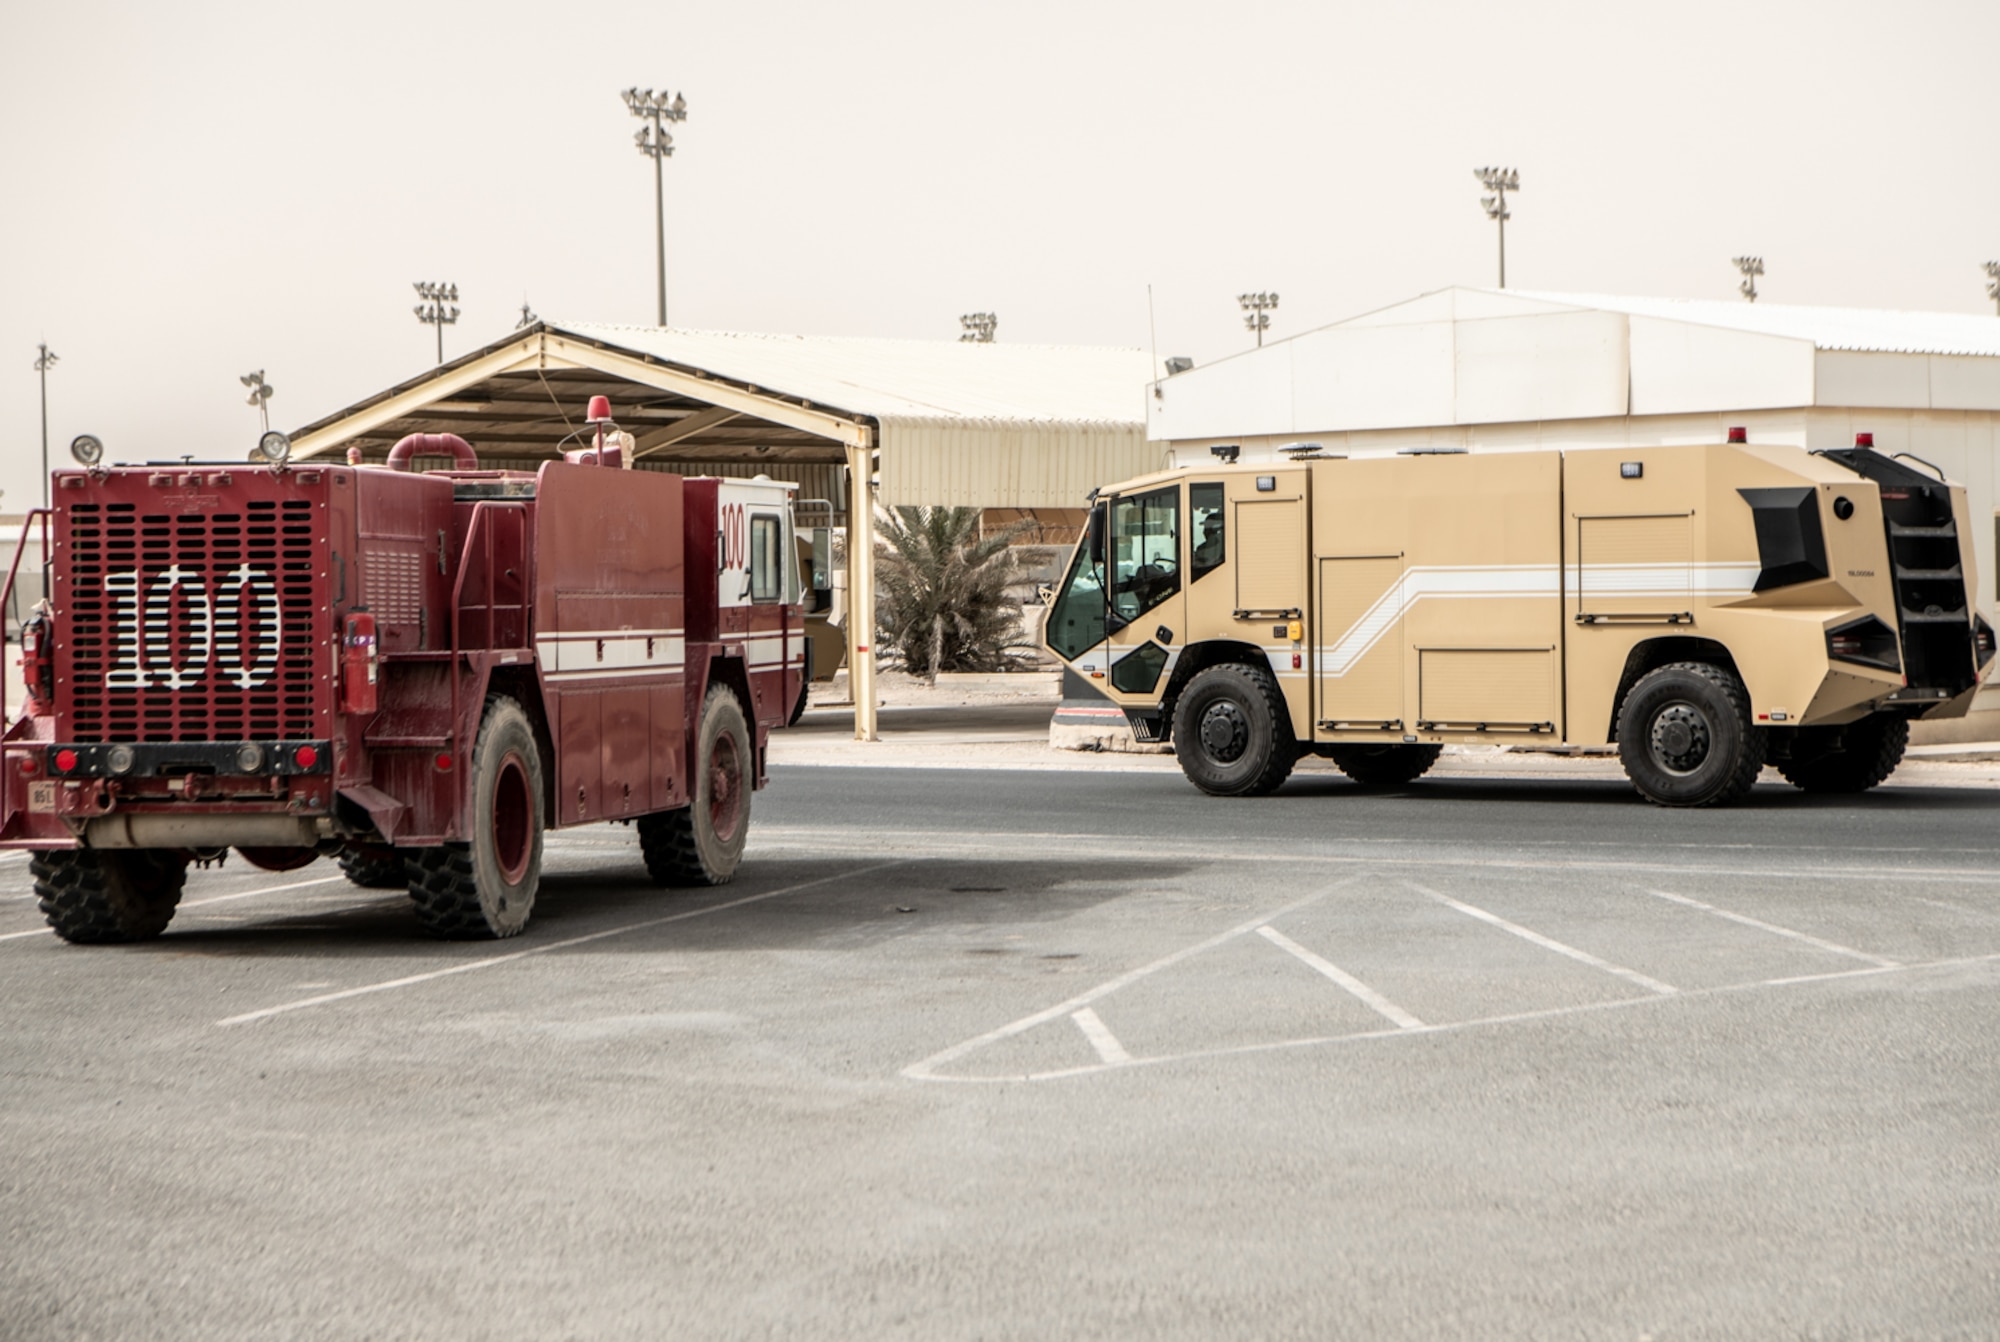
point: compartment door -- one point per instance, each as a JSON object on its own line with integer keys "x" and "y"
{"x": 1359, "y": 658}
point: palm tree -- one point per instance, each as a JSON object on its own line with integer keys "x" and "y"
{"x": 942, "y": 603}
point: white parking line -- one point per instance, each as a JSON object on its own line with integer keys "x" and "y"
{"x": 492, "y": 960}
{"x": 1381, "y": 1005}
{"x": 199, "y": 903}
{"x": 1832, "y": 947}
{"x": 1651, "y": 985}
{"x": 1100, "y": 1037}
{"x": 922, "y": 1071}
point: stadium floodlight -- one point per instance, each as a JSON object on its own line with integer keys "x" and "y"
{"x": 1752, "y": 267}
{"x": 1499, "y": 181}
{"x": 1257, "y": 310}
{"x": 45, "y": 359}
{"x": 439, "y": 308}
{"x": 1993, "y": 283}
{"x": 656, "y": 109}
{"x": 260, "y": 395}
{"x": 978, "y": 327}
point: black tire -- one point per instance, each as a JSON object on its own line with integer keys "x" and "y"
{"x": 1853, "y": 758}
{"x": 702, "y": 843}
{"x": 98, "y": 897}
{"x": 1686, "y": 738}
{"x": 1233, "y": 732}
{"x": 487, "y": 888}
{"x": 1384, "y": 765}
{"x": 373, "y": 866}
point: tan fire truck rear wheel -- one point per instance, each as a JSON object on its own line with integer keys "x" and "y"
{"x": 1686, "y": 738}
{"x": 94, "y": 897}
{"x": 1853, "y": 758}
{"x": 487, "y": 888}
{"x": 1232, "y": 732}
{"x": 1384, "y": 765}
{"x": 702, "y": 844}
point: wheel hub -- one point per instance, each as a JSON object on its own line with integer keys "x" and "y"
{"x": 1225, "y": 732}
{"x": 1681, "y": 738}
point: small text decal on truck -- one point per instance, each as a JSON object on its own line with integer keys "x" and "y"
{"x": 220, "y": 630}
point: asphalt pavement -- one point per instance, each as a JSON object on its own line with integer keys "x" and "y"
{"x": 1021, "y": 1053}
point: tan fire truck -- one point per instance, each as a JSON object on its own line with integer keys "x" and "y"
{"x": 1708, "y": 608}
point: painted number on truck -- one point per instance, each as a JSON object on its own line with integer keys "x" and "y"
{"x": 234, "y": 631}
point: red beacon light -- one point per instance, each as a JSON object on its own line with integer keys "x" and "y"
{"x": 599, "y": 412}
{"x": 1864, "y": 440}
{"x": 1739, "y": 435}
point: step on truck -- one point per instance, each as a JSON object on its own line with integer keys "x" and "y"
{"x": 417, "y": 673}
{"x": 1707, "y": 608}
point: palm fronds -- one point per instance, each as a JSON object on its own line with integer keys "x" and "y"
{"x": 941, "y": 602}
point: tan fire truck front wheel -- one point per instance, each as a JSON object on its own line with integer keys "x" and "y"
{"x": 702, "y": 844}
{"x": 1232, "y": 732}
{"x": 1686, "y": 738}
{"x": 96, "y": 897}
{"x": 487, "y": 888}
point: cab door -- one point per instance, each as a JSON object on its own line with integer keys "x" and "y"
{"x": 1121, "y": 614}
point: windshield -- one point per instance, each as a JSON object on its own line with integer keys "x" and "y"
{"x": 1145, "y": 540}
{"x": 1076, "y": 616}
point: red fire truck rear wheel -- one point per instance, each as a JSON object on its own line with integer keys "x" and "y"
{"x": 374, "y": 867}
{"x": 487, "y": 888}
{"x": 93, "y": 896}
{"x": 702, "y": 844}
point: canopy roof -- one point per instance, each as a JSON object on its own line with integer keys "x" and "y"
{"x": 991, "y": 425}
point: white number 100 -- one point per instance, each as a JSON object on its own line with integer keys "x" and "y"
{"x": 221, "y": 631}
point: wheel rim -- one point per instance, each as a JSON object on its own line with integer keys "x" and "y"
{"x": 513, "y": 820}
{"x": 1225, "y": 732}
{"x": 1681, "y": 738}
{"x": 725, "y": 787}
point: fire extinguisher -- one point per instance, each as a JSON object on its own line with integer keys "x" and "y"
{"x": 360, "y": 663}
{"x": 37, "y": 669}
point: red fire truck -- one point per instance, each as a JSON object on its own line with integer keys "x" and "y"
{"x": 418, "y": 673}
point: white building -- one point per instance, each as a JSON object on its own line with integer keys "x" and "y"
{"x": 1484, "y": 369}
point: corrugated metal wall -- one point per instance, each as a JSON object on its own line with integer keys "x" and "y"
{"x": 986, "y": 464}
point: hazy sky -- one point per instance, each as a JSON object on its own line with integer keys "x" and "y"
{"x": 194, "y": 190}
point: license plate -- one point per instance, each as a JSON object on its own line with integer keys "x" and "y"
{"x": 42, "y": 796}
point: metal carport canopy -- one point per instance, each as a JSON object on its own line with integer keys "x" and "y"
{"x": 939, "y": 422}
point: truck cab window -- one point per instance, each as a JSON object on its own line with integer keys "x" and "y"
{"x": 1076, "y": 616}
{"x": 1205, "y": 511}
{"x": 1145, "y": 551}
{"x": 767, "y": 567}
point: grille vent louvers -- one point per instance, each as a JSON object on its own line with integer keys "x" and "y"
{"x": 107, "y": 613}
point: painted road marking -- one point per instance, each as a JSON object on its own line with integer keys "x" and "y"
{"x": 198, "y": 903}
{"x": 1549, "y": 943}
{"x": 1832, "y": 947}
{"x": 490, "y": 961}
{"x": 1381, "y": 1005}
{"x": 919, "y": 1071}
{"x": 1100, "y": 1037}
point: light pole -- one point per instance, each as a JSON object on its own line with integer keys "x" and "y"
{"x": 1993, "y": 283}
{"x": 1752, "y": 267}
{"x": 439, "y": 308}
{"x": 1499, "y": 181}
{"x": 45, "y": 360}
{"x": 260, "y": 395}
{"x": 1257, "y": 310}
{"x": 979, "y": 327}
{"x": 655, "y": 143}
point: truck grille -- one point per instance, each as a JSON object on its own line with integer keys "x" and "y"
{"x": 195, "y": 626}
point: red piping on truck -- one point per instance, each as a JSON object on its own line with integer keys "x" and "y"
{"x": 433, "y": 444}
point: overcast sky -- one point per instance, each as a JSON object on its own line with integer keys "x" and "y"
{"x": 194, "y": 190}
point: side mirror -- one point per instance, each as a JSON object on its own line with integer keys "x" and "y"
{"x": 822, "y": 559}
{"x": 1094, "y": 532}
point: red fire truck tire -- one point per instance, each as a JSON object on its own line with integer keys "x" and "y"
{"x": 702, "y": 844}
{"x": 487, "y": 888}
{"x": 374, "y": 867}
{"x": 95, "y": 897}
